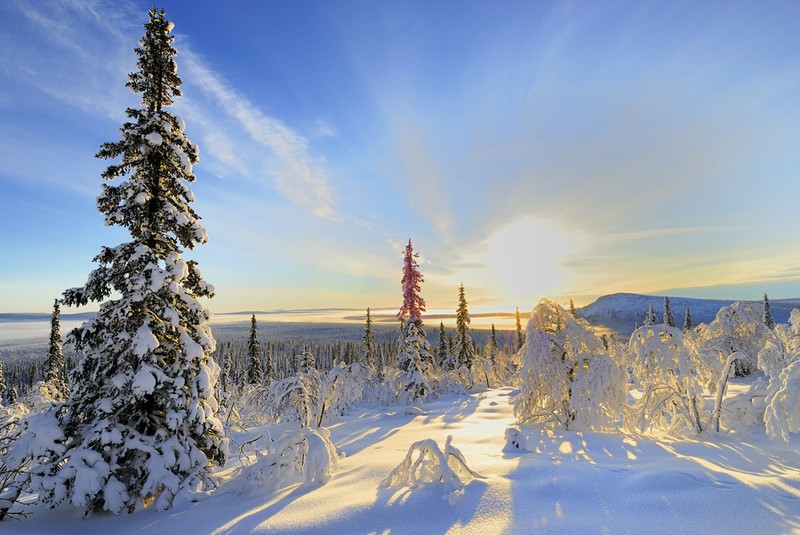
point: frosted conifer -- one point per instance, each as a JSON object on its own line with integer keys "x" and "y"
{"x": 464, "y": 348}
{"x": 369, "y": 343}
{"x": 413, "y": 305}
{"x": 572, "y": 311}
{"x": 520, "y": 339}
{"x": 414, "y": 358}
{"x": 669, "y": 319}
{"x": 255, "y": 370}
{"x": 11, "y": 390}
{"x": 687, "y": 321}
{"x": 441, "y": 350}
{"x": 140, "y": 424}
{"x": 650, "y": 318}
{"x": 493, "y": 347}
{"x": 768, "y": 321}
{"x": 55, "y": 374}
{"x": 3, "y": 385}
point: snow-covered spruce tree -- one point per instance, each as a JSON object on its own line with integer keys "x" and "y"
{"x": 55, "y": 367}
{"x": 669, "y": 319}
{"x": 140, "y": 424}
{"x": 768, "y": 321}
{"x": 368, "y": 358}
{"x": 255, "y": 370}
{"x": 520, "y": 336}
{"x": 3, "y": 385}
{"x": 650, "y": 318}
{"x": 464, "y": 347}
{"x": 687, "y": 321}
{"x": 567, "y": 377}
{"x": 441, "y": 349}
{"x": 414, "y": 358}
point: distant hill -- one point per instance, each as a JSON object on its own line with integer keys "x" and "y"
{"x": 623, "y": 312}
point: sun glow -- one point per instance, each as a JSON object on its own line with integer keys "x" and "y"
{"x": 524, "y": 261}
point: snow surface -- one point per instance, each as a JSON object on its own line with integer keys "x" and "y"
{"x": 563, "y": 482}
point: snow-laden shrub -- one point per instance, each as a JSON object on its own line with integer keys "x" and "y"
{"x": 782, "y": 415}
{"x": 780, "y": 361}
{"x": 27, "y": 441}
{"x": 425, "y": 463}
{"x": 515, "y": 440}
{"x": 302, "y": 452}
{"x": 671, "y": 377}
{"x": 737, "y": 328}
{"x": 566, "y": 375}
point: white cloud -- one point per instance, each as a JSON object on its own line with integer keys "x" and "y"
{"x": 302, "y": 178}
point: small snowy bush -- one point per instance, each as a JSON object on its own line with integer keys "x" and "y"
{"x": 425, "y": 463}
{"x": 307, "y": 452}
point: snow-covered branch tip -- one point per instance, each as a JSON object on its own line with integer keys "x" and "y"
{"x": 432, "y": 465}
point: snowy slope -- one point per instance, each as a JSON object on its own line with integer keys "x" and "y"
{"x": 621, "y": 312}
{"x": 567, "y": 483}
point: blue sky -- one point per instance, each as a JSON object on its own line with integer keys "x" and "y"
{"x": 528, "y": 149}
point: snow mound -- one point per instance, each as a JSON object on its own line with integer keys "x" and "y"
{"x": 432, "y": 465}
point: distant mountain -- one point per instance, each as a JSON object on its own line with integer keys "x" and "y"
{"x": 623, "y": 312}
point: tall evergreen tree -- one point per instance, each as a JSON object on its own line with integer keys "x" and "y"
{"x": 687, "y": 321}
{"x": 669, "y": 319}
{"x": 768, "y": 321}
{"x": 269, "y": 368}
{"x": 224, "y": 381}
{"x": 464, "y": 348}
{"x": 493, "y": 346}
{"x": 413, "y": 304}
{"x": 414, "y": 354}
{"x": 255, "y": 369}
{"x": 441, "y": 350}
{"x": 141, "y": 422}
{"x": 650, "y": 318}
{"x": 369, "y": 343}
{"x": 11, "y": 389}
{"x": 55, "y": 374}
{"x": 3, "y": 385}
{"x": 520, "y": 336}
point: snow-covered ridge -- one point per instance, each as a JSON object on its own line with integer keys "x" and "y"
{"x": 622, "y": 312}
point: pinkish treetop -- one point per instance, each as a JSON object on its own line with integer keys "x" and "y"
{"x": 413, "y": 304}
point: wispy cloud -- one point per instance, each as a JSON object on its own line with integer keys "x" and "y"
{"x": 301, "y": 177}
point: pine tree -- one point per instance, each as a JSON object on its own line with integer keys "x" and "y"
{"x": 269, "y": 369}
{"x": 650, "y": 318}
{"x": 11, "y": 389}
{"x": 413, "y": 305}
{"x": 572, "y": 311}
{"x": 768, "y": 321}
{"x": 493, "y": 346}
{"x": 520, "y": 337}
{"x": 413, "y": 358}
{"x": 441, "y": 350}
{"x": 369, "y": 343}
{"x": 255, "y": 370}
{"x": 224, "y": 382}
{"x": 55, "y": 374}
{"x": 3, "y": 385}
{"x": 464, "y": 348}
{"x": 669, "y": 319}
{"x": 140, "y": 423}
{"x": 687, "y": 321}
{"x": 305, "y": 361}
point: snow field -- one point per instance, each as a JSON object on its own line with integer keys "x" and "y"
{"x": 567, "y": 482}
